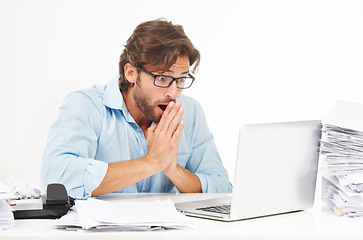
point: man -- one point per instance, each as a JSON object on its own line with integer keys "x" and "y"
{"x": 137, "y": 133}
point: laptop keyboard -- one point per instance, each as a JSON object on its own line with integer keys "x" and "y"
{"x": 224, "y": 209}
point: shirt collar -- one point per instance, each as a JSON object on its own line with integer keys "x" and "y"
{"x": 114, "y": 99}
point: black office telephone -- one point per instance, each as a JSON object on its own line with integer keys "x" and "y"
{"x": 57, "y": 203}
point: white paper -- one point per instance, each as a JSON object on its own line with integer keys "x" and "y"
{"x": 6, "y": 216}
{"x": 343, "y": 204}
{"x": 93, "y": 214}
{"x": 342, "y": 158}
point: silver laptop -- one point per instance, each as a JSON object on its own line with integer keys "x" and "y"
{"x": 276, "y": 172}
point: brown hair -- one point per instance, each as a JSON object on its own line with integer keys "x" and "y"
{"x": 158, "y": 43}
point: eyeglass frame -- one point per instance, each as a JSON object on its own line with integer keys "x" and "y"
{"x": 171, "y": 82}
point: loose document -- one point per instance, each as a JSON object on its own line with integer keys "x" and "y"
{"x": 99, "y": 215}
{"x": 342, "y": 159}
{"x": 6, "y": 214}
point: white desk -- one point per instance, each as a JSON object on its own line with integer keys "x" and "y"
{"x": 316, "y": 223}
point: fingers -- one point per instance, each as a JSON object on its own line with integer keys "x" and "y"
{"x": 178, "y": 131}
{"x": 171, "y": 117}
{"x": 165, "y": 118}
{"x": 163, "y": 137}
{"x": 176, "y": 120}
{"x": 153, "y": 127}
{"x": 150, "y": 131}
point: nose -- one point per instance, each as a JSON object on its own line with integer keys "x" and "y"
{"x": 172, "y": 91}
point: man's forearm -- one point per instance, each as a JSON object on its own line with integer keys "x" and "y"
{"x": 184, "y": 180}
{"x": 125, "y": 173}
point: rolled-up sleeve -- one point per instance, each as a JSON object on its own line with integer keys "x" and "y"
{"x": 210, "y": 171}
{"x": 71, "y": 147}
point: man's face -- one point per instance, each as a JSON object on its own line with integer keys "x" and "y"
{"x": 152, "y": 100}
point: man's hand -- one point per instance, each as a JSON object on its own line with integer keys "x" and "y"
{"x": 162, "y": 143}
{"x": 163, "y": 137}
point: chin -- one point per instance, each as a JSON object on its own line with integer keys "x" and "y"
{"x": 157, "y": 120}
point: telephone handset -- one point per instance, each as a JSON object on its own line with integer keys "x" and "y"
{"x": 57, "y": 203}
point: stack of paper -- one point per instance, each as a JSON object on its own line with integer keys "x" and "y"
{"x": 342, "y": 158}
{"x": 94, "y": 214}
{"x": 342, "y": 150}
{"x": 6, "y": 215}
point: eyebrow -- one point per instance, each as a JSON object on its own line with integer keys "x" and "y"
{"x": 172, "y": 72}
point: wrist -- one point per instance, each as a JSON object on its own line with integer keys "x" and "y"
{"x": 172, "y": 171}
{"x": 151, "y": 164}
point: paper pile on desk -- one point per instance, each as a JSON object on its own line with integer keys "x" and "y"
{"x": 94, "y": 214}
{"x": 342, "y": 158}
{"x": 344, "y": 200}
{"x": 6, "y": 215}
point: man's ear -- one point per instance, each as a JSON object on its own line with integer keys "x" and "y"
{"x": 130, "y": 73}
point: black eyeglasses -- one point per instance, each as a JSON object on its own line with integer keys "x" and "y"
{"x": 166, "y": 81}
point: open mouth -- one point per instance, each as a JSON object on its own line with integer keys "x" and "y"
{"x": 162, "y": 107}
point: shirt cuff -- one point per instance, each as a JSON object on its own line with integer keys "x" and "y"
{"x": 95, "y": 173}
{"x": 214, "y": 184}
{"x": 203, "y": 181}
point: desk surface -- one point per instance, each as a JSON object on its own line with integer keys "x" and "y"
{"x": 316, "y": 223}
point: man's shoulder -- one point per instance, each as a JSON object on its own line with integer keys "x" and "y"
{"x": 88, "y": 97}
{"x": 95, "y": 91}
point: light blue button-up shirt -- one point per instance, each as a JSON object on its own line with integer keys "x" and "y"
{"x": 94, "y": 128}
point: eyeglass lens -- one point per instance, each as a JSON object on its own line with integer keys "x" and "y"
{"x": 165, "y": 81}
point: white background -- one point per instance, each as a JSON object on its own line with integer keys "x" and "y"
{"x": 261, "y": 61}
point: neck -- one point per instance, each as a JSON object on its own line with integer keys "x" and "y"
{"x": 139, "y": 117}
